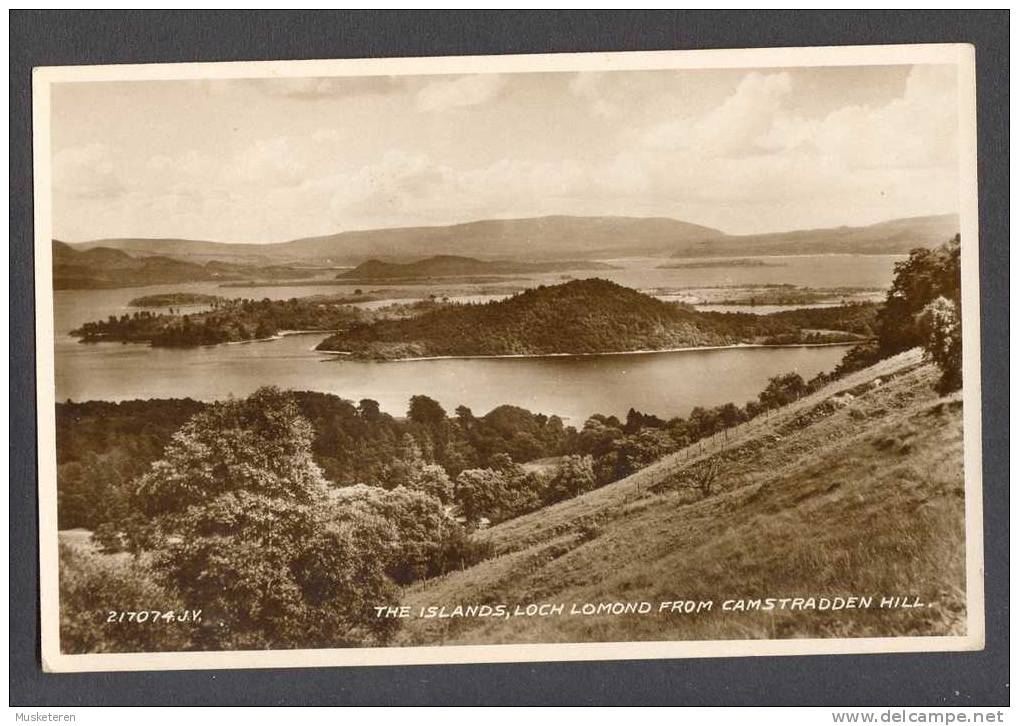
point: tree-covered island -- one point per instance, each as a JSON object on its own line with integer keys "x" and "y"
{"x": 585, "y": 317}
{"x": 237, "y": 320}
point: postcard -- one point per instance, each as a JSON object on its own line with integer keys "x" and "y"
{"x": 508, "y": 358}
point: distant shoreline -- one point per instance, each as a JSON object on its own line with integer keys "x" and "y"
{"x": 347, "y": 355}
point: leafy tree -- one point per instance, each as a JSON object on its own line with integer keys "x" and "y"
{"x": 479, "y": 494}
{"x": 433, "y": 480}
{"x": 925, "y": 275}
{"x": 90, "y": 586}
{"x": 403, "y": 470}
{"x": 573, "y": 476}
{"x": 464, "y": 416}
{"x": 239, "y": 506}
{"x": 941, "y": 326}
{"x": 369, "y": 409}
{"x": 425, "y": 411}
{"x": 420, "y": 531}
{"x": 642, "y": 448}
{"x": 782, "y": 390}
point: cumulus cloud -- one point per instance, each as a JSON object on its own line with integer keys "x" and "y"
{"x": 313, "y": 89}
{"x": 86, "y": 172}
{"x": 917, "y": 130}
{"x": 447, "y": 93}
{"x": 754, "y": 158}
{"x": 736, "y": 127}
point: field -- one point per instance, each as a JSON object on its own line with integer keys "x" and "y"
{"x": 855, "y": 490}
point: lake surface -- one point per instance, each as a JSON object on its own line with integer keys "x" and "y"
{"x": 667, "y": 384}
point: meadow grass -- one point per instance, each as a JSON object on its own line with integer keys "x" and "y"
{"x": 861, "y": 499}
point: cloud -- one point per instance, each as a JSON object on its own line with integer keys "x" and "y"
{"x": 86, "y": 172}
{"x": 736, "y": 127}
{"x": 314, "y": 89}
{"x": 917, "y": 130}
{"x": 748, "y": 156}
{"x": 448, "y": 93}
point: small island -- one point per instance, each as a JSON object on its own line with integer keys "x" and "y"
{"x": 711, "y": 264}
{"x": 242, "y": 319}
{"x": 453, "y": 266}
{"x": 588, "y": 317}
{"x": 229, "y": 321}
{"x": 174, "y": 299}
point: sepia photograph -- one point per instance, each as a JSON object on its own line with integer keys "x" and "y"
{"x": 508, "y": 358}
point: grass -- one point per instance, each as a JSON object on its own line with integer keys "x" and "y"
{"x": 823, "y": 500}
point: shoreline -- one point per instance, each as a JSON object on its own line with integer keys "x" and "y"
{"x": 347, "y": 355}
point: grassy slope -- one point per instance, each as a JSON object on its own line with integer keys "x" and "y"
{"x": 865, "y": 499}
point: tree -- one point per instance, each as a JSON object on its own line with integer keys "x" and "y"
{"x": 644, "y": 447}
{"x": 783, "y": 390}
{"x": 406, "y": 465}
{"x": 91, "y": 585}
{"x": 433, "y": 480}
{"x": 464, "y": 416}
{"x": 479, "y": 494}
{"x": 426, "y": 411}
{"x": 369, "y": 409}
{"x": 940, "y": 325}
{"x": 573, "y": 476}
{"x": 419, "y": 530}
{"x": 925, "y": 275}
{"x": 239, "y": 506}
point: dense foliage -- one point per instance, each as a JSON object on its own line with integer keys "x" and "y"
{"x": 923, "y": 308}
{"x": 92, "y": 586}
{"x": 168, "y": 299}
{"x": 586, "y": 316}
{"x": 226, "y": 321}
{"x": 241, "y": 525}
{"x": 102, "y": 446}
{"x": 446, "y": 266}
{"x": 940, "y": 324}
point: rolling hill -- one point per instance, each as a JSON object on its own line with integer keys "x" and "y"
{"x": 897, "y": 236}
{"x": 853, "y": 491}
{"x": 456, "y": 266}
{"x": 577, "y": 317}
{"x": 104, "y": 267}
{"x": 551, "y": 238}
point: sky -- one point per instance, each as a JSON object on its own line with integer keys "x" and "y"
{"x": 268, "y": 160}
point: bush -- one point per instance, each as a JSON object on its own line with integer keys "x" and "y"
{"x": 417, "y": 527}
{"x": 941, "y": 329}
{"x": 93, "y": 586}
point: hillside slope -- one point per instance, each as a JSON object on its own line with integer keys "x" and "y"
{"x": 857, "y": 497}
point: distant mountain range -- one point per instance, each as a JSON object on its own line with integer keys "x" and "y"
{"x": 532, "y": 239}
{"x": 896, "y": 236}
{"x": 104, "y": 267}
{"x": 456, "y": 266}
{"x": 548, "y": 238}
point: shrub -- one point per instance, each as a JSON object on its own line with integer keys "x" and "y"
{"x": 91, "y": 586}
{"x": 941, "y": 330}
